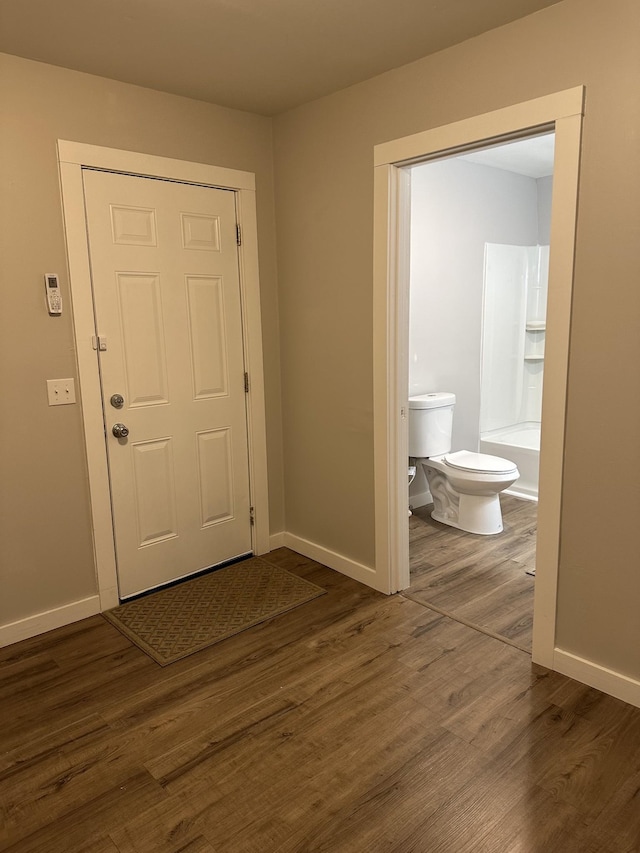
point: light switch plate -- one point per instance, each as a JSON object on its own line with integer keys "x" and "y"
{"x": 61, "y": 392}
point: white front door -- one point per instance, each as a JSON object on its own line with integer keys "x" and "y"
{"x": 164, "y": 266}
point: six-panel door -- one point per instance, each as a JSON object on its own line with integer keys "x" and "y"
{"x": 164, "y": 266}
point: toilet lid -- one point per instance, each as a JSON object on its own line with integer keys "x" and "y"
{"x": 480, "y": 463}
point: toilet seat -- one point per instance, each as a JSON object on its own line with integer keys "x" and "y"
{"x": 479, "y": 463}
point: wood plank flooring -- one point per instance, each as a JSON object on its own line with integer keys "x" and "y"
{"x": 357, "y": 723}
{"x": 480, "y": 580}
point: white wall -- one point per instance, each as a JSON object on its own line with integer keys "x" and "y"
{"x": 545, "y": 186}
{"x": 457, "y": 207}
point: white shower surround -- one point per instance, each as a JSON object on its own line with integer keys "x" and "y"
{"x": 512, "y": 366}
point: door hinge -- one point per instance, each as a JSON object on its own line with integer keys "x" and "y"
{"x": 252, "y": 515}
{"x": 238, "y": 234}
{"x": 99, "y": 343}
{"x": 246, "y": 383}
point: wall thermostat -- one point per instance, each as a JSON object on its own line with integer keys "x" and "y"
{"x": 52, "y": 287}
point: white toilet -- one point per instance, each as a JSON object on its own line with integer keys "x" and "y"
{"x": 464, "y": 485}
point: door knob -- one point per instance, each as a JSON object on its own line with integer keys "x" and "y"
{"x": 117, "y": 401}
{"x": 120, "y": 430}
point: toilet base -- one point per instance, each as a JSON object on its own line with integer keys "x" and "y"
{"x": 480, "y": 514}
{"x": 473, "y": 513}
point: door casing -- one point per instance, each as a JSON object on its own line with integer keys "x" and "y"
{"x": 72, "y": 157}
{"x": 561, "y": 112}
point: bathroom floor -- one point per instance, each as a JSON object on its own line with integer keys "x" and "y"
{"x": 478, "y": 580}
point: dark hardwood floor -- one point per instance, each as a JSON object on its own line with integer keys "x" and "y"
{"x": 356, "y": 723}
{"x": 479, "y": 580}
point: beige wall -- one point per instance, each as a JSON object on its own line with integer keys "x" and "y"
{"x": 45, "y": 535}
{"x": 324, "y": 182}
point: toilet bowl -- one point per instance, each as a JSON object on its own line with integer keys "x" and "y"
{"x": 465, "y": 488}
{"x": 464, "y": 485}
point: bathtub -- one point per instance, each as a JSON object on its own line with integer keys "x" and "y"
{"x": 521, "y": 444}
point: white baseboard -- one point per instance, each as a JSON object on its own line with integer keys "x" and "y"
{"x": 420, "y": 499}
{"x": 608, "y": 680}
{"x": 276, "y": 540}
{"x": 23, "y": 629}
{"x": 523, "y": 496}
{"x": 345, "y": 565}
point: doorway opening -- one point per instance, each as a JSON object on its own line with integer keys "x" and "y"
{"x": 560, "y": 113}
{"x": 480, "y": 226}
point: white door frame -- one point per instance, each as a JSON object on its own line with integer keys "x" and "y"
{"x": 561, "y": 112}
{"x": 72, "y": 157}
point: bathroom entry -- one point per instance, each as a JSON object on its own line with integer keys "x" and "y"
{"x": 479, "y": 238}
{"x": 479, "y": 249}
{"x": 561, "y": 112}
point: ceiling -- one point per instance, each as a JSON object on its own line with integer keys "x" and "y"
{"x": 265, "y": 56}
{"x": 532, "y": 157}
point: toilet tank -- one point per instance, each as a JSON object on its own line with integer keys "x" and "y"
{"x": 430, "y": 423}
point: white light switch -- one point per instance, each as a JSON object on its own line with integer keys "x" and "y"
{"x": 61, "y": 391}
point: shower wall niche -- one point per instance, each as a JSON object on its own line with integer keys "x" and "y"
{"x": 512, "y": 364}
